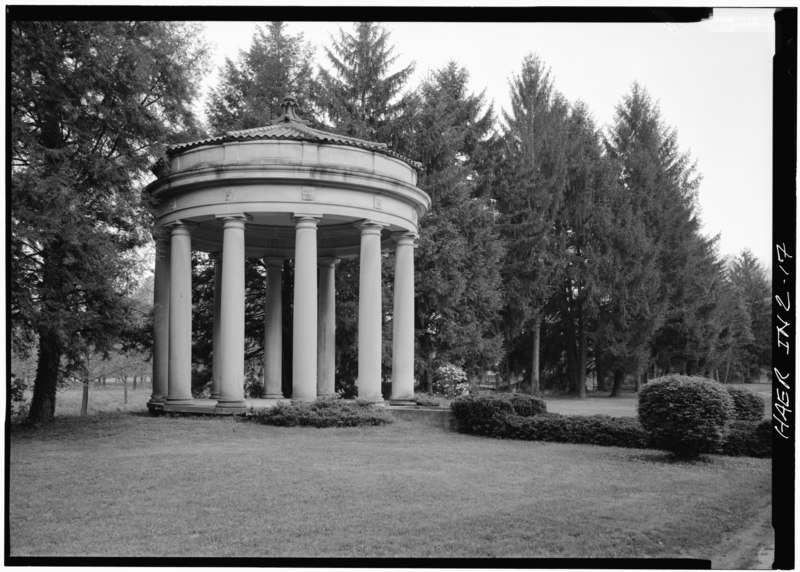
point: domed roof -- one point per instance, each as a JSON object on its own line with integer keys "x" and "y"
{"x": 290, "y": 127}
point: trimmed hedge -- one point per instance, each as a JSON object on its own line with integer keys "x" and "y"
{"x": 324, "y": 412}
{"x": 494, "y": 416}
{"x": 685, "y": 415}
{"x": 588, "y": 430}
{"x": 747, "y": 405}
{"x": 486, "y": 414}
{"x": 748, "y": 439}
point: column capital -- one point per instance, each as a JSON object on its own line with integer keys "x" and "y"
{"x": 328, "y": 261}
{"x": 273, "y": 261}
{"x": 234, "y": 219}
{"x": 406, "y": 237}
{"x": 368, "y": 226}
{"x": 180, "y": 225}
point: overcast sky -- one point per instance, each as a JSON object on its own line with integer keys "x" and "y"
{"x": 712, "y": 81}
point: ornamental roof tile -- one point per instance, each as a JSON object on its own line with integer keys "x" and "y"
{"x": 290, "y": 127}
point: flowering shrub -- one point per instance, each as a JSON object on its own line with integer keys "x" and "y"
{"x": 450, "y": 381}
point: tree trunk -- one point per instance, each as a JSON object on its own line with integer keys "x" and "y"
{"x": 599, "y": 369}
{"x": 43, "y": 403}
{"x": 618, "y": 378}
{"x": 537, "y": 328}
{"x": 581, "y": 377}
{"x": 638, "y": 382}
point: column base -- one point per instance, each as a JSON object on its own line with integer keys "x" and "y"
{"x": 375, "y": 401}
{"x": 158, "y": 399}
{"x": 402, "y": 401}
{"x": 237, "y": 404}
{"x": 272, "y": 396}
{"x": 179, "y": 400}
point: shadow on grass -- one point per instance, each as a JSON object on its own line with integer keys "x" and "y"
{"x": 666, "y": 458}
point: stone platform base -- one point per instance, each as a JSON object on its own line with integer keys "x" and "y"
{"x": 434, "y": 416}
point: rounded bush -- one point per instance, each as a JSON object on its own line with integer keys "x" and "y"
{"x": 747, "y": 405}
{"x": 685, "y": 415}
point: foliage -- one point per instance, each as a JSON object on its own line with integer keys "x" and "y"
{"x": 450, "y": 381}
{"x": 16, "y": 396}
{"x": 91, "y": 104}
{"x": 251, "y": 89}
{"x": 685, "y": 415}
{"x": 752, "y": 285}
{"x": 586, "y": 430}
{"x": 527, "y": 405}
{"x": 486, "y": 414}
{"x": 529, "y": 186}
{"x": 359, "y": 96}
{"x": 459, "y": 286}
{"x": 324, "y": 412}
{"x": 748, "y": 439}
{"x": 747, "y": 406}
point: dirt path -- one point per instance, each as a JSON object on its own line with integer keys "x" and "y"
{"x": 752, "y": 548}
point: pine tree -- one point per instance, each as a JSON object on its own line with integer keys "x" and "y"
{"x": 90, "y": 104}
{"x": 580, "y": 227}
{"x": 529, "y": 193}
{"x": 459, "y": 284}
{"x": 359, "y": 96}
{"x": 751, "y": 280}
{"x": 662, "y": 184}
{"x": 251, "y": 89}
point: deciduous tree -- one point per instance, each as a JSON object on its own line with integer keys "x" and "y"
{"x": 91, "y": 103}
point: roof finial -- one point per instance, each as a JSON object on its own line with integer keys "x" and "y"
{"x": 290, "y": 110}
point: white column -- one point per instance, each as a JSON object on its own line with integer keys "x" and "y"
{"x": 215, "y": 336}
{"x": 179, "y": 389}
{"x": 273, "y": 331}
{"x": 231, "y": 339}
{"x": 304, "y": 335}
{"x": 403, "y": 319}
{"x": 326, "y": 328}
{"x": 161, "y": 321}
{"x": 370, "y": 313}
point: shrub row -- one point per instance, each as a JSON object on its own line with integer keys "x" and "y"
{"x": 486, "y": 414}
{"x": 495, "y": 416}
{"x": 588, "y": 430}
{"x": 748, "y": 439}
{"x": 323, "y": 413}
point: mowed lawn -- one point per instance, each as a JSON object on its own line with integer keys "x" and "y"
{"x": 124, "y": 484}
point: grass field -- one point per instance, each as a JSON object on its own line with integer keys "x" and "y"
{"x": 121, "y": 483}
{"x": 130, "y": 485}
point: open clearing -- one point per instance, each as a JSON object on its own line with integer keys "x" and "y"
{"x": 130, "y": 485}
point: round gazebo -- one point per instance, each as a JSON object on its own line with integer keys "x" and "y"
{"x": 283, "y": 191}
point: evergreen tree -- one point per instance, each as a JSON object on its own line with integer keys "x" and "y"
{"x": 662, "y": 184}
{"x": 359, "y": 96}
{"x": 580, "y": 228}
{"x": 751, "y": 280}
{"x": 251, "y": 89}
{"x": 90, "y": 103}
{"x": 529, "y": 192}
{"x": 458, "y": 282}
